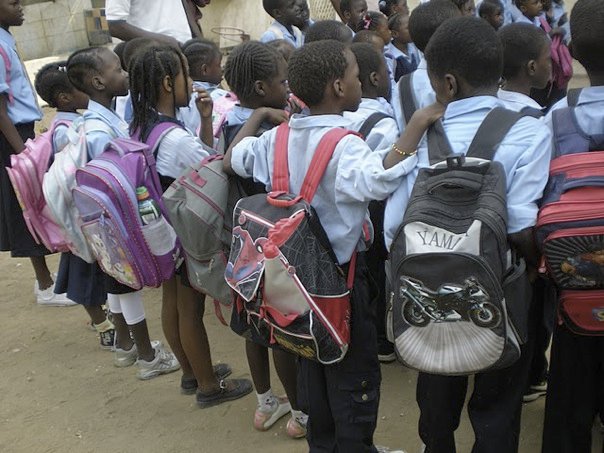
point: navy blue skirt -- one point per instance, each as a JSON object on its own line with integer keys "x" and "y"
{"x": 84, "y": 283}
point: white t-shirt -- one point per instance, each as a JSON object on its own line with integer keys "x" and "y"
{"x": 167, "y": 17}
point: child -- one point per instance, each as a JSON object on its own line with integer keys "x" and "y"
{"x": 285, "y": 48}
{"x": 305, "y": 21}
{"x": 465, "y": 62}
{"x": 370, "y": 37}
{"x": 531, "y": 10}
{"x": 352, "y": 12}
{"x": 527, "y": 64}
{"x": 403, "y": 54}
{"x": 19, "y": 111}
{"x": 492, "y": 12}
{"x": 466, "y": 7}
{"x": 97, "y": 71}
{"x": 423, "y": 22}
{"x": 341, "y": 399}
{"x": 204, "y": 59}
{"x": 392, "y": 7}
{"x": 377, "y": 22}
{"x": 286, "y": 13}
{"x": 577, "y": 361}
{"x": 263, "y": 87}
{"x": 160, "y": 84}
{"x": 81, "y": 281}
{"x": 329, "y": 29}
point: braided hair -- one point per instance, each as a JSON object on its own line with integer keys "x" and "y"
{"x": 198, "y": 52}
{"x": 147, "y": 71}
{"x": 84, "y": 63}
{"x": 372, "y": 20}
{"x": 247, "y": 63}
{"x": 51, "y": 80}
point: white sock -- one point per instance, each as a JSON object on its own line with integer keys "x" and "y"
{"x": 266, "y": 400}
{"x": 300, "y": 417}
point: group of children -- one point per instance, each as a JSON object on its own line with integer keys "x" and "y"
{"x": 341, "y": 75}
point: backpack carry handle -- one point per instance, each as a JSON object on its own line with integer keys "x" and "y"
{"x": 463, "y": 180}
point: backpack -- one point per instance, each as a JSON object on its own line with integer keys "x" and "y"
{"x": 370, "y": 123}
{"x": 562, "y": 61}
{"x": 60, "y": 180}
{"x": 26, "y": 173}
{"x": 453, "y": 278}
{"x": 408, "y": 102}
{"x": 283, "y": 268}
{"x": 134, "y": 254}
{"x": 222, "y": 106}
{"x": 570, "y": 225}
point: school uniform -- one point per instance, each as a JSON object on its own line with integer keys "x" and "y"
{"x": 23, "y": 111}
{"x": 385, "y": 132}
{"x": 401, "y": 63}
{"x": 517, "y": 102}
{"x": 574, "y": 395}
{"x": 279, "y": 31}
{"x": 495, "y": 405}
{"x": 189, "y": 115}
{"x": 342, "y": 399}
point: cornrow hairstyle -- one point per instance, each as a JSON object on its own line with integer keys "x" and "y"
{"x": 313, "y": 67}
{"x": 51, "y": 80}
{"x": 147, "y": 72}
{"x": 247, "y": 63}
{"x": 371, "y": 21}
{"x": 84, "y": 63}
{"x": 387, "y": 5}
{"x": 198, "y": 52}
{"x": 427, "y": 17}
{"x": 119, "y": 51}
{"x": 271, "y": 5}
{"x": 395, "y": 21}
{"x": 137, "y": 45}
{"x": 521, "y": 43}
{"x": 469, "y": 48}
{"x": 368, "y": 59}
{"x": 328, "y": 29}
{"x": 587, "y": 34}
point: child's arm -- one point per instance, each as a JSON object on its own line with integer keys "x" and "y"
{"x": 249, "y": 129}
{"x": 409, "y": 140}
{"x": 204, "y": 107}
{"x": 8, "y": 129}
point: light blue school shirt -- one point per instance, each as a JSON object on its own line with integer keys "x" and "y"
{"x": 97, "y": 140}
{"x": 589, "y": 111}
{"x": 517, "y": 102}
{"x": 59, "y": 136}
{"x": 355, "y": 175}
{"x": 523, "y": 153}
{"x": 24, "y": 108}
{"x": 423, "y": 93}
{"x": 189, "y": 115}
{"x": 279, "y": 31}
{"x": 391, "y": 52}
{"x": 385, "y": 132}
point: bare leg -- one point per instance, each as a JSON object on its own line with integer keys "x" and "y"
{"x": 42, "y": 273}
{"x": 96, "y": 313}
{"x": 140, "y": 332}
{"x": 285, "y": 364}
{"x": 122, "y": 333}
{"x": 257, "y": 359}
{"x": 170, "y": 323}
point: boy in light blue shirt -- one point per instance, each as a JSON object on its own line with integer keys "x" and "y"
{"x": 465, "y": 62}
{"x": 286, "y": 13}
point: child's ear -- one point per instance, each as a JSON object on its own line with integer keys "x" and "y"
{"x": 338, "y": 88}
{"x": 374, "y": 78}
{"x": 204, "y": 69}
{"x": 259, "y": 88}
{"x": 451, "y": 86}
{"x": 167, "y": 84}
{"x": 97, "y": 82}
{"x": 64, "y": 98}
{"x": 531, "y": 67}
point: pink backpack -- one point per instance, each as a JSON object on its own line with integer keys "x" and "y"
{"x": 562, "y": 62}
{"x": 134, "y": 254}
{"x": 26, "y": 174}
{"x": 222, "y": 106}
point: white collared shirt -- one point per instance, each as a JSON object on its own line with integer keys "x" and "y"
{"x": 385, "y": 132}
{"x": 97, "y": 140}
{"x": 279, "y": 31}
{"x": 512, "y": 100}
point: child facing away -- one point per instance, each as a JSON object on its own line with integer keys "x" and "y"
{"x": 324, "y": 75}
{"x": 286, "y": 14}
{"x": 263, "y": 88}
{"x": 401, "y": 52}
{"x": 329, "y": 29}
{"x": 465, "y": 61}
{"x": 577, "y": 361}
{"x": 160, "y": 84}
{"x": 378, "y": 23}
{"x": 492, "y": 12}
{"x": 97, "y": 71}
{"x": 19, "y": 111}
{"x": 82, "y": 282}
{"x": 392, "y": 7}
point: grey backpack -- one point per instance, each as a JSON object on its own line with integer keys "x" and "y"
{"x": 448, "y": 314}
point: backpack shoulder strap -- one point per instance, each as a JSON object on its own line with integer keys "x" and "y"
{"x": 320, "y": 160}
{"x": 439, "y": 147}
{"x": 572, "y": 96}
{"x": 532, "y": 112}
{"x": 159, "y": 131}
{"x": 370, "y": 123}
{"x": 281, "y": 167}
{"x": 491, "y": 132}
{"x": 408, "y": 104}
{"x": 7, "y": 67}
{"x": 545, "y": 24}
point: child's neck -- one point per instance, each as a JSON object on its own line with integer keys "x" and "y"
{"x": 165, "y": 106}
{"x": 370, "y": 93}
{"x": 252, "y": 104}
{"x": 518, "y": 85}
{"x": 327, "y": 107}
{"x": 470, "y": 93}
{"x": 102, "y": 99}
{"x": 4, "y": 26}
{"x": 402, "y": 46}
{"x": 289, "y": 27}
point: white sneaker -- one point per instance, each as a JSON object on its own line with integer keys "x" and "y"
{"x": 264, "y": 419}
{"x": 123, "y": 358}
{"x": 164, "y": 362}
{"x": 49, "y": 298}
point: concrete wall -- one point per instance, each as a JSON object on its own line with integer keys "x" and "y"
{"x": 52, "y": 28}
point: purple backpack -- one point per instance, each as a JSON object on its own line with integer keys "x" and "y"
{"x": 134, "y": 254}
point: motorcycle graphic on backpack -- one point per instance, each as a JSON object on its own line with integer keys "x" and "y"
{"x": 448, "y": 304}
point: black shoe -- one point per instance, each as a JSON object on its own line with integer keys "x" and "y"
{"x": 188, "y": 386}
{"x": 241, "y": 387}
{"x": 386, "y": 352}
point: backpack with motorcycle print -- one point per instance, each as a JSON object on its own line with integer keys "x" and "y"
{"x": 449, "y": 259}
{"x": 282, "y": 265}
{"x": 570, "y": 225}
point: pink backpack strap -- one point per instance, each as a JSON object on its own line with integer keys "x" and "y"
{"x": 281, "y": 168}
{"x": 320, "y": 160}
{"x": 7, "y": 66}
{"x": 544, "y": 24}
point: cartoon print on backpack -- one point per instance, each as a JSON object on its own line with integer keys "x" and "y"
{"x": 468, "y": 302}
{"x": 585, "y": 269}
{"x": 113, "y": 259}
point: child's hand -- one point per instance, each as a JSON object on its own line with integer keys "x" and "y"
{"x": 204, "y": 103}
{"x": 294, "y": 107}
{"x": 275, "y": 116}
{"x": 429, "y": 115}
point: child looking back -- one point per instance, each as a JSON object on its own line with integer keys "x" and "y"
{"x": 492, "y": 12}
{"x": 286, "y": 13}
{"x": 82, "y": 282}
{"x": 401, "y": 51}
